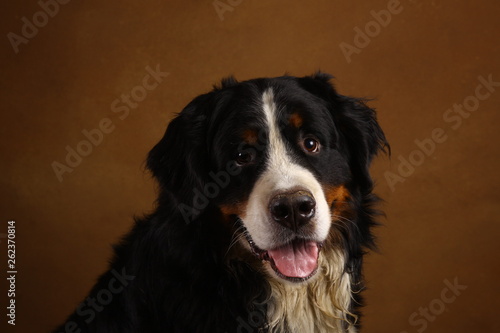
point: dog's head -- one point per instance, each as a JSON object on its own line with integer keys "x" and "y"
{"x": 286, "y": 159}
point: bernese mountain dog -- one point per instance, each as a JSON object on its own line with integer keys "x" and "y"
{"x": 263, "y": 216}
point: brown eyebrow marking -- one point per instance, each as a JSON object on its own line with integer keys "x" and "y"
{"x": 250, "y": 136}
{"x": 296, "y": 120}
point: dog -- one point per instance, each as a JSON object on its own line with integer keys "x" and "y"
{"x": 264, "y": 212}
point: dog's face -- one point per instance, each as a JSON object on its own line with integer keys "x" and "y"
{"x": 282, "y": 158}
{"x": 289, "y": 172}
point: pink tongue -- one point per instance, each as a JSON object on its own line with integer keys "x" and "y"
{"x": 298, "y": 259}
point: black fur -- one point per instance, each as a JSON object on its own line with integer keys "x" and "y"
{"x": 180, "y": 279}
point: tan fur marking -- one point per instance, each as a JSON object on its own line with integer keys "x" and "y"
{"x": 339, "y": 194}
{"x": 250, "y": 136}
{"x": 338, "y": 199}
{"x": 296, "y": 120}
{"x": 231, "y": 209}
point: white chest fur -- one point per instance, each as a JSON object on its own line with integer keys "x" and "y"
{"x": 318, "y": 306}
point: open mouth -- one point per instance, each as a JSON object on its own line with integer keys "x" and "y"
{"x": 296, "y": 261}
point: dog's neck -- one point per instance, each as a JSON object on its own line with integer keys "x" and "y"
{"x": 319, "y": 306}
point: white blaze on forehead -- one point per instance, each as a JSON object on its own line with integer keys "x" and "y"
{"x": 281, "y": 174}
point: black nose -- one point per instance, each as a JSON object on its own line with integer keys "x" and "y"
{"x": 292, "y": 210}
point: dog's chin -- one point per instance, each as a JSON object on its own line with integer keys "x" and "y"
{"x": 295, "y": 261}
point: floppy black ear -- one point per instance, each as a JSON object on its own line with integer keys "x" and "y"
{"x": 363, "y": 134}
{"x": 356, "y": 122}
{"x": 180, "y": 159}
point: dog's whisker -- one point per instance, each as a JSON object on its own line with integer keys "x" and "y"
{"x": 343, "y": 221}
{"x": 238, "y": 234}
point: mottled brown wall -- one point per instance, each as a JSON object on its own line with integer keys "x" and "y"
{"x": 442, "y": 221}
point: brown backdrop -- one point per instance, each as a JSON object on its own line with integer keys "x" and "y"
{"x": 442, "y": 211}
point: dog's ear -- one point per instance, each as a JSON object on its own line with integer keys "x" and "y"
{"x": 179, "y": 161}
{"x": 364, "y": 136}
{"x": 356, "y": 122}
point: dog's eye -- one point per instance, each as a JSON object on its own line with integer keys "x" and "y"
{"x": 244, "y": 157}
{"x": 311, "y": 145}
